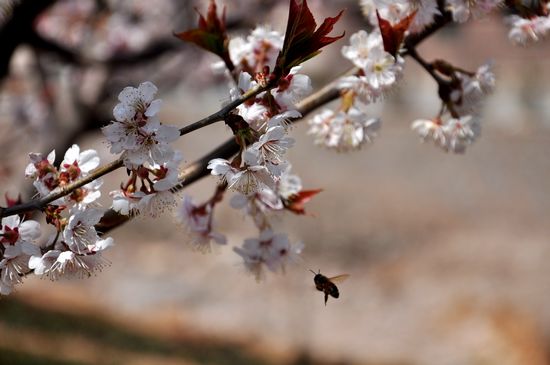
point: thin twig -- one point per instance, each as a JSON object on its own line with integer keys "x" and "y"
{"x": 222, "y": 113}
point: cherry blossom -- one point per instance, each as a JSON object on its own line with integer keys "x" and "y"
{"x": 429, "y": 129}
{"x": 136, "y": 131}
{"x": 361, "y": 45}
{"x": 271, "y": 147}
{"x": 454, "y": 134}
{"x": 248, "y": 179}
{"x": 198, "y": 221}
{"x": 75, "y": 165}
{"x": 343, "y": 131}
{"x": 271, "y": 250}
{"x": 80, "y": 233}
{"x": 17, "y": 244}
{"x": 153, "y": 197}
{"x": 524, "y": 31}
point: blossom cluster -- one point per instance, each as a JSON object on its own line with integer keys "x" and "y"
{"x": 259, "y": 174}
{"x": 75, "y": 248}
{"x": 529, "y": 28}
{"x": 350, "y": 127}
{"x": 459, "y": 123}
{"x": 144, "y": 143}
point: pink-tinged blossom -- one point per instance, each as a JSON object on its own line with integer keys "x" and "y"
{"x": 271, "y": 250}
{"x": 525, "y": 31}
{"x": 198, "y": 221}
{"x": 343, "y": 131}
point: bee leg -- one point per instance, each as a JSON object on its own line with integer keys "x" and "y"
{"x": 326, "y": 298}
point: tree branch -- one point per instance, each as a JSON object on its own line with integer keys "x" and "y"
{"x": 198, "y": 169}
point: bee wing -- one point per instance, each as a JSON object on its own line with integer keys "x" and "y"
{"x": 339, "y": 278}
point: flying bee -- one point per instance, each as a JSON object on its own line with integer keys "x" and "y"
{"x": 326, "y": 285}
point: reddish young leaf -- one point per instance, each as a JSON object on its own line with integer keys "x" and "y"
{"x": 392, "y": 35}
{"x": 211, "y": 34}
{"x": 12, "y": 202}
{"x": 296, "y": 203}
{"x": 302, "y": 41}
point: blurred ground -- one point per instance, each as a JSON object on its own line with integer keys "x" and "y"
{"x": 448, "y": 255}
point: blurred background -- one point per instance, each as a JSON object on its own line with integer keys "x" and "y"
{"x": 448, "y": 254}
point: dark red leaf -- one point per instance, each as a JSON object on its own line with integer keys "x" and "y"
{"x": 211, "y": 34}
{"x": 393, "y": 35}
{"x": 302, "y": 41}
{"x": 296, "y": 203}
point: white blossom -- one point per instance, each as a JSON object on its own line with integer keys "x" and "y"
{"x": 137, "y": 131}
{"x": 14, "y": 264}
{"x": 361, "y": 46}
{"x": 524, "y": 31}
{"x": 85, "y": 161}
{"x": 296, "y": 86}
{"x": 250, "y": 178}
{"x": 31, "y": 170}
{"x": 461, "y": 132}
{"x": 473, "y": 90}
{"x": 156, "y": 203}
{"x": 260, "y": 49}
{"x": 271, "y": 147}
{"x": 343, "y": 131}
{"x": 429, "y": 129}
{"x": 80, "y": 233}
{"x": 18, "y": 245}
{"x": 454, "y": 134}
